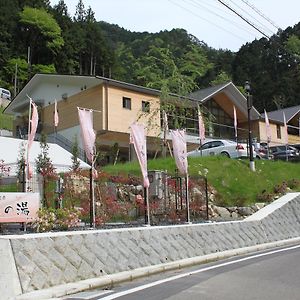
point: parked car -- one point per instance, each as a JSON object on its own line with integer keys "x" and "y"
{"x": 222, "y": 147}
{"x": 289, "y": 153}
{"x": 262, "y": 151}
{"x": 5, "y": 94}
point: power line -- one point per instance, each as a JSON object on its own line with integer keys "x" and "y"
{"x": 212, "y": 23}
{"x": 197, "y": 4}
{"x": 243, "y": 18}
{"x": 261, "y": 14}
{"x": 253, "y": 18}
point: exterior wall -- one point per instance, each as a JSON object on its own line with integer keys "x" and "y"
{"x": 113, "y": 117}
{"x": 51, "y": 259}
{"x": 67, "y": 109}
{"x": 119, "y": 118}
{"x": 46, "y": 92}
{"x": 292, "y": 139}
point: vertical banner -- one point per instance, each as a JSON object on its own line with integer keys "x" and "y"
{"x": 235, "y": 122}
{"x": 268, "y": 129}
{"x": 87, "y": 132}
{"x": 180, "y": 154}
{"x": 286, "y": 135}
{"x": 56, "y": 118}
{"x": 88, "y": 139}
{"x": 32, "y": 127}
{"x": 201, "y": 127}
{"x": 138, "y": 139}
{"x": 180, "y": 150}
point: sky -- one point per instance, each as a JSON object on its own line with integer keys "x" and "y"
{"x": 208, "y": 20}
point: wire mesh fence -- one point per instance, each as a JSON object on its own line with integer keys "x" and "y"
{"x": 119, "y": 200}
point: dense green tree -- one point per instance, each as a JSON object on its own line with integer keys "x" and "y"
{"x": 221, "y": 78}
{"x": 41, "y": 32}
{"x": 22, "y": 72}
{"x": 65, "y": 60}
{"x": 293, "y": 45}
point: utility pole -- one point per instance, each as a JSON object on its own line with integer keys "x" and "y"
{"x": 249, "y": 106}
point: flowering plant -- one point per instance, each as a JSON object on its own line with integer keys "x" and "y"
{"x": 62, "y": 219}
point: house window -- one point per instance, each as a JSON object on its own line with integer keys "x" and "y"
{"x": 145, "y": 106}
{"x": 126, "y": 103}
{"x": 278, "y": 129}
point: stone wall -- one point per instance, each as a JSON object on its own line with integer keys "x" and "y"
{"x": 44, "y": 260}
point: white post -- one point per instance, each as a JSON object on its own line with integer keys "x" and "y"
{"x": 27, "y": 152}
{"x": 188, "y": 219}
{"x": 148, "y": 206}
{"x": 93, "y": 194}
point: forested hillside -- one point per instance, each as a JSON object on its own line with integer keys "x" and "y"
{"x": 36, "y": 37}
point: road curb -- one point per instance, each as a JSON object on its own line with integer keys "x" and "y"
{"x": 60, "y": 291}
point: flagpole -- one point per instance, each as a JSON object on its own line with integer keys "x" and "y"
{"x": 93, "y": 193}
{"x": 200, "y": 147}
{"x": 148, "y": 206}
{"x": 27, "y": 152}
{"x": 187, "y": 199}
{"x": 92, "y": 198}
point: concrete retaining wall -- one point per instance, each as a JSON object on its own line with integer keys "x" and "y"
{"x": 39, "y": 261}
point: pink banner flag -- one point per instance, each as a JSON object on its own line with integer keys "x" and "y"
{"x": 180, "y": 150}
{"x": 268, "y": 129}
{"x": 32, "y": 127}
{"x": 139, "y": 141}
{"x": 201, "y": 127}
{"x": 235, "y": 122}
{"x": 286, "y": 135}
{"x": 87, "y": 132}
{"x": 56, "y": 118}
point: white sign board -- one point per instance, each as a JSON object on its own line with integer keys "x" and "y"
{"x": 19, "y": 207}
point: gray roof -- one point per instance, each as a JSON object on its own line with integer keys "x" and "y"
{"x": 290, "y": 112}
{"x": 238, "y": 99}
{"x": 203, "y": 94}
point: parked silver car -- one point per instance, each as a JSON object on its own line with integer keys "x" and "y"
{"x": 222, "y": 147}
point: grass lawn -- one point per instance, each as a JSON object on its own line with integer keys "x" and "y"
{"x": 6, "y": 121}
{"x": 232, "y": 178}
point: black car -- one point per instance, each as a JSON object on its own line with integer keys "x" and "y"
{"x": 288, "y": 153}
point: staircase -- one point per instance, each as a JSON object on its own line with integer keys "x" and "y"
{"x": 65, "y": 143}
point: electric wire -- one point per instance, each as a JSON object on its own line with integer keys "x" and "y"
{"x": 245, "y": 19}
{"x": 241, "y": 27}
{"x": 279, "y": 46}
{"x": 208, "y": 21}
{"x": 262, "y": 26}
{"x": 261, "y": 14}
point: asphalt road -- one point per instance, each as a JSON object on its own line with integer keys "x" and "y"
{"x": 274, "y": 274}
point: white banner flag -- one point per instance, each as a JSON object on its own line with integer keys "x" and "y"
{"x": 138, "y": 138}
{"x": 180, "y": 150}
{"x": 87, "y": 132}
{"x": 268, "y": 129}
{"x": 201, "y": 127}
{"x": 33, "y": 124}
{"x": 235, "y": 122}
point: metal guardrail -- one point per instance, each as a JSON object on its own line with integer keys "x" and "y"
{"x": 66, "y": 144}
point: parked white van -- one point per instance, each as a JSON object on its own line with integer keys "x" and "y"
{"x": 5, "y": 94}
